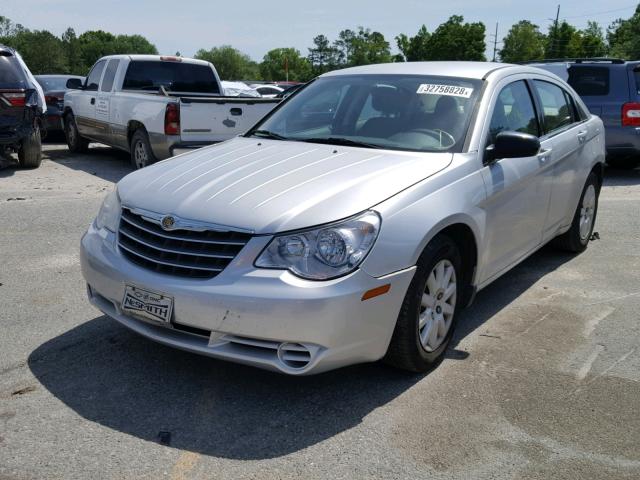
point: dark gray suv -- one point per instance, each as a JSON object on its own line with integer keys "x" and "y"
{"x": 611, "y": 89}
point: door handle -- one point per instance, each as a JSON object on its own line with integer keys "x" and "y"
{"x": 236, "y": 111}
{"x": 582, "y": 136}
{"x": 544, "y": 154}
{"x": 93, "y": 101}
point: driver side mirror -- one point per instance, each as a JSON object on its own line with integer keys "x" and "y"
{"x": 512, "y": 145}
{"x": 74, "y": 84}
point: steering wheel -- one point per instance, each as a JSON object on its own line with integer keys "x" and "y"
{"x": 439, "y": 135}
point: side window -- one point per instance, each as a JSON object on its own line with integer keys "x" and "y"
{"x": 514, "y": 111}
{"x": 589, "y": 81}
{"x": 556, "y": 112}
{"x": 94, "y": 75}
{"x": 109, "y": 75}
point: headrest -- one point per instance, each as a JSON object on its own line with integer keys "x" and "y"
{"x": 445, "y": 105}
{"x": 387, "y": 99}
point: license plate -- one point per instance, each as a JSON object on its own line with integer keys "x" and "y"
{"x": 148, "y": 304}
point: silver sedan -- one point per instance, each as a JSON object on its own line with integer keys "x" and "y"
{"x": 354, "y": 221}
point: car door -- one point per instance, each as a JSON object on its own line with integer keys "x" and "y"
{"x": 85, "y": 107}
{"x": 518, "y": 189}
{"x": 567, "y": 134}
{"x": 103, "y": 102}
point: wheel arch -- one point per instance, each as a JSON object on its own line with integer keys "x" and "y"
{"x": 132, "y": 127}
{"x": 463, "y": 235}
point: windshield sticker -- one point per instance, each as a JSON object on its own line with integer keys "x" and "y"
{"x": 451, "y": 90}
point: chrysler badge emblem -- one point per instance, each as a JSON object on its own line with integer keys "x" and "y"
{"x": 168, "y": 222}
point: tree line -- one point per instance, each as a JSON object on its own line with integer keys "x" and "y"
{"x": 454, "y": 39}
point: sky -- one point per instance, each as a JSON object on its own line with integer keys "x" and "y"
{"x": 256, "y": 27}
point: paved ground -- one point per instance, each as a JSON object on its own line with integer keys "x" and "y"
{"x": 542, "y": 381}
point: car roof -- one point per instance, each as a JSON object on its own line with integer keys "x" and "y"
{"x": 476, "y": 70}
{"x": 155, "y": 58}
{"x": 57, "y": 75}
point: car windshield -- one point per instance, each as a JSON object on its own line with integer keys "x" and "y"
{"x": 174, "y": 76}
{"x": 398, "y": 112}
{"x": 53, "y": 83}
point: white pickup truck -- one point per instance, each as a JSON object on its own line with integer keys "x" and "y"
{"x": 155, "y": 107}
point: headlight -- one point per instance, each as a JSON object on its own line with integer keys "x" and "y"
{"x": 109, "y": 212}
{"x": 325, "y": 252}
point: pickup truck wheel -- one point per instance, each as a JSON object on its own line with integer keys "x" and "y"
{"x": 75, "y": 142}
{"x": 577, "y": 237}
{"x": 429, "y": 311}
{"x": 141, "y": 153}
{"x": 30, "y": 151}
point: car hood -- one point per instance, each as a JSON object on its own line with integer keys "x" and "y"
{"x": 270, "y": 186}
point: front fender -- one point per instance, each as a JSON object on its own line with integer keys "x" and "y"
{"x": 411, "y": 219}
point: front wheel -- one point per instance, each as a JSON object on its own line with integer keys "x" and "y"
{"x": 75, "y": 142}
{"x": 30, "y": 151}
{"x": 577, "y": 237}
{"x": 141, "y": 152}
{"x": 430, "y": 307}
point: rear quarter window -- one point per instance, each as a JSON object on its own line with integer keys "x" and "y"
{"x": 636, "y": 76}
{"x": 590, "y": 81}
{"x": 11, "y": 75}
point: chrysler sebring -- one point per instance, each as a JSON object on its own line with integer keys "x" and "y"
{"x": 354, "y": 221}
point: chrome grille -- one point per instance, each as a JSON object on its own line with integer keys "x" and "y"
{"x": 183, "y": 253}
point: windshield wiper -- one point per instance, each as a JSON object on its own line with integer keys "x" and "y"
{"x": 341, "y": 141}
{"x": 268, "y": 134}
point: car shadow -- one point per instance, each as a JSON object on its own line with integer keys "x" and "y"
{"x": 105, "y": 162}
{"x": 118, "y": 379}
{"x": 506, "y": 289}
{"x": 618, "y": 177}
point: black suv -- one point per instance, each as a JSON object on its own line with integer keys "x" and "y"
{"x": 610, "y": 87}
{"x": 20, "y": 110}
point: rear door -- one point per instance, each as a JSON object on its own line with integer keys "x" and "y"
{"x": 103, "y": 102}
{"x": 518, "y": 189}
{"x": 566, "y": 133}
{"x": 85, "y": 102}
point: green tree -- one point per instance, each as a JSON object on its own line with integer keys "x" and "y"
{"x": 563, "y": 41}
{"x": 71, "y": 47}
{"x": 362, "y": 47}
{"x": 624, "y": 37}
{"x": 285, "y": 63}
{"x": 42, "y": 51}
{"x": 523, "y": 42}
{"x": 593, "y": 42}
{"x": 98, "y": 43}
{"x": 457, "y": 40}
{"x": 323, "y": 56}
{"x": 414, "y": 48}
{"x": 230, "y": 63}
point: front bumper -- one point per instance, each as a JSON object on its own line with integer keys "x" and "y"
{"x": 254, "y": 316}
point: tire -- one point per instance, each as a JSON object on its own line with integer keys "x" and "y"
{"x": 577, "y": 237}
{"x": 30, "y": 151}
{"x": 75, "y": 142}
{"x": 623, "y": 162}
{"x": 141, "y": 152}
{"x": 407, "y": 349}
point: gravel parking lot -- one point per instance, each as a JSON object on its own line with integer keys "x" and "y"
{"x": 542, "y": 379}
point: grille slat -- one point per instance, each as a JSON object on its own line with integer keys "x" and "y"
{"x": 181, "y": 252}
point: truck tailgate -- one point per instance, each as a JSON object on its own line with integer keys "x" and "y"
{"x": 206, "y": 119}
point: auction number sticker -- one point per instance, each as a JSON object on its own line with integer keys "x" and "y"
{"x": 451, "y": 90}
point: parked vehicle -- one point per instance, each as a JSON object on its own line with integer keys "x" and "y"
{"x": 267, "y": 90}
{"x": 354, "y": 221}
{"x": 154, "y": 107}
{"x": 239, "y": 89}
{"x": 611, "y": 89}
{"x": 54, "y": 87}
{"x": 21, "y": 107}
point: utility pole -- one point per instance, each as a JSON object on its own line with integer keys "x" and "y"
{"x": 555, "y": 34}
{"x": 495, "y": 42}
